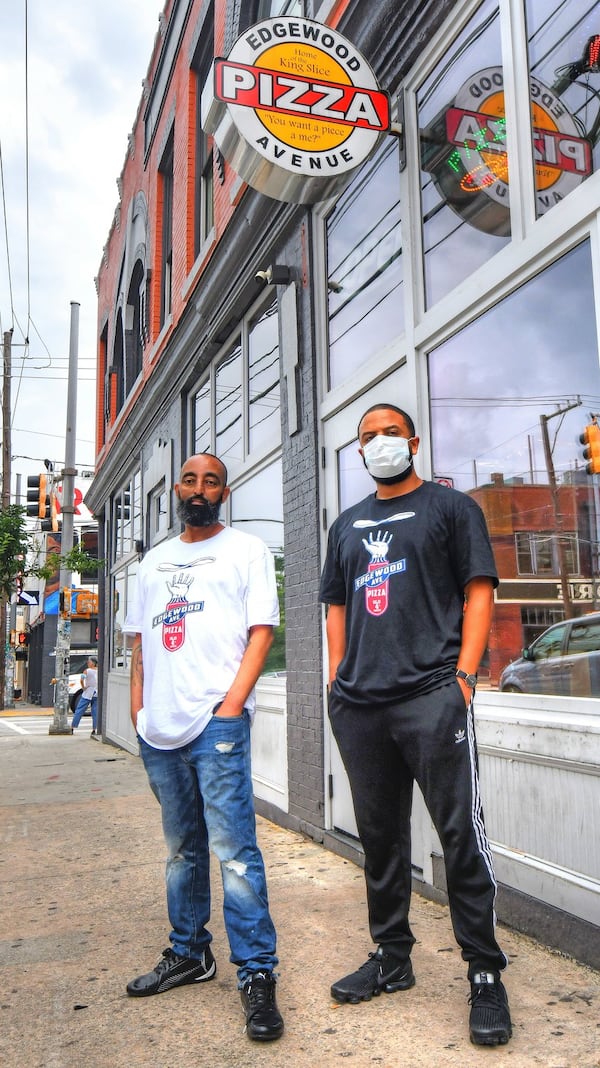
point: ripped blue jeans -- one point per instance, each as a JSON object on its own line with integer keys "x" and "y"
{"x": 205, "y": 794}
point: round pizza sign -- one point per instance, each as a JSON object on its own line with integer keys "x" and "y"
{"x": 295, "y": 109}
{"x": 467, "y": 153}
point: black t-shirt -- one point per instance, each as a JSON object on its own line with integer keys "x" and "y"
{"x": 400, "y": 566}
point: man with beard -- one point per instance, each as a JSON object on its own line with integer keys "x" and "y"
{"x": 408, "y": 580}
{"x": 202, "y": 619}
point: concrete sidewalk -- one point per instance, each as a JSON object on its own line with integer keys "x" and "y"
{"x": 82, "y": 911}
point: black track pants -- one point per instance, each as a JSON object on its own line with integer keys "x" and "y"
{"x": 429, "y": 739}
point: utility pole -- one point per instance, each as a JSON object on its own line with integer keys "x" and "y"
{"x": 60, "y": 724}
{"x": 558, "y": 519}
{"x": 6, "y": 677}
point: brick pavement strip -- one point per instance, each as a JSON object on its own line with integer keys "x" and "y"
{"x": 82, "y": 911}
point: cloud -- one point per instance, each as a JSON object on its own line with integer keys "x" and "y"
{"x": 85, "y": 67}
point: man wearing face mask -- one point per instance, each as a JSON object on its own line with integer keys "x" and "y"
{"x": 408, "y": 581}
{"x": 202, "y": 619}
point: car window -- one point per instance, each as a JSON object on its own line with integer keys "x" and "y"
{"x": 78, "y": 664}
{"x": 584, "y": 637}
{"x": 549, "y": 644}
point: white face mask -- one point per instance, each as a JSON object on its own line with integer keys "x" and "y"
{"x": 387, "y": 457}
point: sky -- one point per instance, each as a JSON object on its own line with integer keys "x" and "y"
{"x": 71, "y": 77}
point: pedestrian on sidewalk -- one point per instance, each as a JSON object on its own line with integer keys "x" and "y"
{"x": 89, "y": 694}
{"x": 202, "y": 619}
{"x": 408, "y": 581}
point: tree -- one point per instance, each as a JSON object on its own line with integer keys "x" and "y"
{"x": 20, "y": 558}
{"x": 276, "y": 658}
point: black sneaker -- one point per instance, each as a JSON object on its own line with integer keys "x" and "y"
{"x": 381, "y": 971}
{"x": 173, "y": 970}
{"x": 264, "y": 1021}
{"x": 489, "y": 1022}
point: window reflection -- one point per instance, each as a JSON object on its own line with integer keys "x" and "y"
{"x": 364, "y": 266}
{"x": 238, "y": 413}
{"x": 565, "y": 660}
{"x": 565, "y": 105}
{"x": 201, "y": 419}
{"x": 257, "y": 508}
{"x": 228, "y": 408}
{"x": 509, "y": 396}
{"x": 354, "y": 480}
{"x": 263, "y": 378}
{"x": 464, "y": 192}
{"x": 122, "y": 591}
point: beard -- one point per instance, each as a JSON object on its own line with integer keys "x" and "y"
{"x": 198, "y": 512}
{"x": 393, "y": 479}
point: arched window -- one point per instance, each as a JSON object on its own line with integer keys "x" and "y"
{"x": 134, "y": 345}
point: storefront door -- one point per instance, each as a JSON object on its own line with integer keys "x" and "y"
{"x": 347, "y": 481}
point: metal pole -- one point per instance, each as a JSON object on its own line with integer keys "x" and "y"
{"x": 60, "y": 723}
{"x": 7, "y": 657}
{"x": 558, "y": 520}
{"x": 6, "y": 418}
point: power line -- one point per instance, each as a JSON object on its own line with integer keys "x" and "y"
{"x": 10, "y": 289}
{"x": 44, "y": 434}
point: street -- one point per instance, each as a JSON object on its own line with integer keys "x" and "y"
{"x": 82, "y": 911}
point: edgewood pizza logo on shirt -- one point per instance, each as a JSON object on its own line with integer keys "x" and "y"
{"x": 176, "y": 610}
{"x": 376, "y": 579}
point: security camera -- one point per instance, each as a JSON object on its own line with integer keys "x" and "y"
{"x": 275, "y": 275}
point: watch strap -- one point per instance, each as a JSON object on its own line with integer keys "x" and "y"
{"x": 471, "y": 680}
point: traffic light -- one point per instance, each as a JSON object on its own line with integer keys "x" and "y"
{"x": 52, "y": 522}
{"x": 38, "y": 500}
{"x": 591, "y": 454}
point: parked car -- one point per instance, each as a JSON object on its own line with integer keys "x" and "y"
{"x": 564, "y": 660}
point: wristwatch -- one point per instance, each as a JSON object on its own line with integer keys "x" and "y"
{"x": 471, "y": 680}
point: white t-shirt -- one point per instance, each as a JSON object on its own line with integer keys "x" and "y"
{"x": 90, "y": 682}
{"x": 194, "y": 604}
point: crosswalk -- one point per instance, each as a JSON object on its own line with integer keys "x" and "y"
{"x": 12, "y": 726}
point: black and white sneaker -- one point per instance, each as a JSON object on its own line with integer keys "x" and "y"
{"x": 173, "y": 970}
{"x": 489, "y": 1021}
{"x": 264, "y": 1021}
{"x": 381, "y": 972}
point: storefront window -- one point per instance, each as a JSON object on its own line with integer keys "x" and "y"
{"x": 257, "y": 508}
{"x": 354, "y": 480}
{"x": 127, "y": 529}
{"x": 122, "y": 592}
{"x": 263, "y": 379}
{"x": 564, "y": 49}
{"x": 464, "y": 190}
{"x": 127, "y": 513}
{"x": 202, "y": 418}
{"x": 236, "y": 413}
{"x": 228, "y": 408}
{"x": 364, "y": 266}
{"x": 510, "y": 395}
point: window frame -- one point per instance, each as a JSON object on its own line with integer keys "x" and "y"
{"x": 240, "y": 335}
{"x": 166, "y": 181}
{"x": 203, "y": 183}
{"x": 536, "y": 244}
